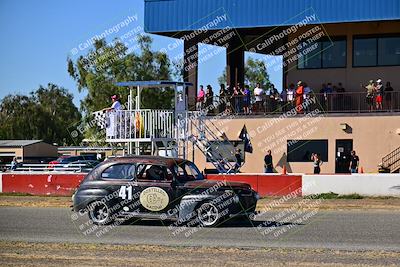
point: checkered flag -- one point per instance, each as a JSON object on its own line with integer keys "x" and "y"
{"x": 100, "y": 118}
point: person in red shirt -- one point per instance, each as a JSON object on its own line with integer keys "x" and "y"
{"x": 200, "y": 98}
{"x": 299, "y": 97}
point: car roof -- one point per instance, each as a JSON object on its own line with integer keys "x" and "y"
{"x": 147, "y": 159}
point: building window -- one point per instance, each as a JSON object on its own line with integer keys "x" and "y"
{"x": 376, "y": 51}
{"x": 301, "y": 150}
{"x": 334, "y": 54}
{"x": 323, "y": 54}
{"x": 310, "y": 56}
{"x": 364, "y": 52}
{"x": 389, "y": 51}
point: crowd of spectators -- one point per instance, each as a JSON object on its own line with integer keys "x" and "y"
{"x": 330, "y": 97}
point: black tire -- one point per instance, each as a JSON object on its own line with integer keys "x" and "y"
{"x": 99, "y": 213}
{"x": 208, "y": 215}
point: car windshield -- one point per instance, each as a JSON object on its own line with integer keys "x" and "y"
{"x": 188, "y": 171}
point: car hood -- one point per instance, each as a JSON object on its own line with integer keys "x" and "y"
{"x": 212, "y": 183}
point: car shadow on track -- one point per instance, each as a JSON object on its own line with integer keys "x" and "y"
{"x": 230, "y": 223}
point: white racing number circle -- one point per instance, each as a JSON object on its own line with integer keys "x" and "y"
{"x": 154, "y": 198}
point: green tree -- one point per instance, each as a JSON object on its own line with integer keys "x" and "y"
{"x": 106, "y": 64}
{"x": 222, "y": 79}
{"x": 45, "y": 114}
{"x": 255, "y": 71}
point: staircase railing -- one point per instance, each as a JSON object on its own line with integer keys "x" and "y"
{"x": 210, "y": 144}
{"x": 392, "y": 160}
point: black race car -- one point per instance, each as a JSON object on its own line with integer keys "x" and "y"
{"x": 151, "y": 187}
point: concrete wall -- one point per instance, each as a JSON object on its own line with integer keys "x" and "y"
{"x": 38, "y": 183}
{"x": 373, "y": 137}
{"x": 362, "y": 184}
{"x": 350, "y": 77}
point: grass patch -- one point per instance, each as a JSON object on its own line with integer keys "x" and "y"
{"x": 332, "y": 195}
{"x": 16, "y": 194}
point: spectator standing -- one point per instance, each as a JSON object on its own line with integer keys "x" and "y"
{"x": 209, "y": 99}
{"x": 322, "y": 97}
{"x": 246, "y": 99}
{"x": 268, "y": 166}
{"x": 307, "y": 95}
{"x": 283, "y": 97}
{"x": 370, "y": 95}
{"x": 340, "y": 97}
{"x": 222, "y": 98}
{"x": 200, "y": 98}
{"x": 388, "y": 95}
{"x": 274, "y": 96}
{"x": 299, "y": 97}
{"x": 236, "y": 96}
{"x": 291, "y": 93}
{"x": 354, "y": 162}
{"x": 340, "y": 88}
{"x": 259, "y": 94}
{"x": 14, "y": 164}
{"x": 317, "y": 162}
{"x": 329, "y": 96}
{"x": 230, "y": 101}
{"x": 379, "y": 89}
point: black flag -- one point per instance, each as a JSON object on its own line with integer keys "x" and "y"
{"x": 244, "y": 135}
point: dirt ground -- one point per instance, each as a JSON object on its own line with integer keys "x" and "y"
{"x": 55, "y": 254}
{"x": 262, "y": 205}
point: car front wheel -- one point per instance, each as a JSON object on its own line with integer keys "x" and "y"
{"x": 99, "y": 213}
{"x": 208, "y": 214}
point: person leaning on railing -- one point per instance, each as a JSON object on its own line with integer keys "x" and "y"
{"x": 370, "y": 94}
{"x": 116, "y": 104}
{"x": 246, "y": 99}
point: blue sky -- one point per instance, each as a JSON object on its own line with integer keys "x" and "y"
{"x": 38, "y": 36}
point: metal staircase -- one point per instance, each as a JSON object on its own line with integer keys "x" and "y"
{"x": 206, "y": 136}
{"x": 391, "y": 162}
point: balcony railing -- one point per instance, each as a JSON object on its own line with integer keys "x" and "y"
{"x": 145, "y": 124}
{"x": 349, "y": 102}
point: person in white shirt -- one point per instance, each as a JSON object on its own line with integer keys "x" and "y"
{"x": 258, "y": 93}
{"x": 290, "y": 96}
{"x": 116, "y": 105}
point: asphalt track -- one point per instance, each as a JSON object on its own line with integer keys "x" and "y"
{"x": 349, "y": 230}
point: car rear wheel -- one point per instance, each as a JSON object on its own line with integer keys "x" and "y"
{"x": 99, "y": 213}
{"x": 208, "y": 214}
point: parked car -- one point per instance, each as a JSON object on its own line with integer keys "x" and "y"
{"x": 69, "y": 159}
{"x": 81, "y": 165}
{"x": 150, "y": 187}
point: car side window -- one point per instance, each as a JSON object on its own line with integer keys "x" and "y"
{"x": 119, "y": 171}
{"x": 152, "y": 172}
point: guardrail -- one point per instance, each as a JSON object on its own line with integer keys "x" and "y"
{"x": 22, "y": 167}
{"x": 139, "y": 124}
{"x": 348, "y": 102}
